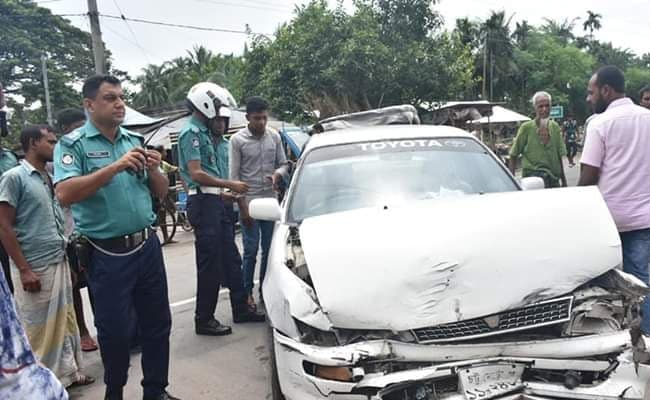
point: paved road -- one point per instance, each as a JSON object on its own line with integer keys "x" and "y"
{"x": 204, "y": 368}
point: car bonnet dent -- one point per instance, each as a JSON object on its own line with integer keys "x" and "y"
{"x": 433, "y": 262}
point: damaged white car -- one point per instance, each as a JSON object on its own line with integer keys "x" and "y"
{"x": 408, "y": 264}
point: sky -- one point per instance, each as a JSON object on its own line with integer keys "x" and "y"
{"x": 626, "y": 23}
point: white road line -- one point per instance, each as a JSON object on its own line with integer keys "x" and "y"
{"x": 193, "y": 299}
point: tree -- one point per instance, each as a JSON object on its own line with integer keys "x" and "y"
{"x": 561, "y": 30}
{"x": 27, "y": 33}
{"x": 559, "y": 68}
{"x": 495, "y": 32}
{"x": 592, "y": 23}
{"x": 522, "y": 33}
{"x": 468, "y": 32}
{"x": 168, "y": 83}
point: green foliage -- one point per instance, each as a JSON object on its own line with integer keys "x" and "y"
{"x": 551, "y": 65}
{"x": 635, "y": 79}
{"x": 390, "y": 52}
{"x": 385, "y": 53}
{"x": 169, "y": 82}
{"x": 27, "y": 32}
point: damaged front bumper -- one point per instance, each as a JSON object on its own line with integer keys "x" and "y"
{"x": 592, "y": 367}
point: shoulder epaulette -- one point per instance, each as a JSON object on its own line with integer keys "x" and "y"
{"x": 72, "y": 137}
{"x": 136, "y": 135}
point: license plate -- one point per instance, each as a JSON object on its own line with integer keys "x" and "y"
{"x": 488, "y": 381}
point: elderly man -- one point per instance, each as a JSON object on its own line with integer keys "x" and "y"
{"x": 539, "y": 143}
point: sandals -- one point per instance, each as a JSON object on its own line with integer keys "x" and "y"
{"x": 82, "y": 380}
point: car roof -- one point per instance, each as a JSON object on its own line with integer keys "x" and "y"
{"x": 385, "y": 132}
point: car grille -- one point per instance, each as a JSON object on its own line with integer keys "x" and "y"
{"x": 541, "y": 314}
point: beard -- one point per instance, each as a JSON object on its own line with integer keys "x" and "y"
{"x": 600, "y": 106}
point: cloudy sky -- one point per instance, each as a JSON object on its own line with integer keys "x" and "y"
{"x": 626, "y": 23}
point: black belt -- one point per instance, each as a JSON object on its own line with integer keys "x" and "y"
{"x": 126, "y": 242}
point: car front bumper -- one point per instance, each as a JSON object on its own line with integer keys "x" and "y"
{"x": 625, "y": 379}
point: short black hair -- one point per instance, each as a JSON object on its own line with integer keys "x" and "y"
{"x": 256, "y": 104}
{"x": 31, "y": 133}
{"x": 92, "y": 84}
{"x": 611, "y": 76}
{"x": 69, "y": 116}
{"x": 644, "y": 89}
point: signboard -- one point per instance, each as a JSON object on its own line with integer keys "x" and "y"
{"x": 557, "y": 112}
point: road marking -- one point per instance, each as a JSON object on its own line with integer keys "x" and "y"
{"x": 193, "y": 299}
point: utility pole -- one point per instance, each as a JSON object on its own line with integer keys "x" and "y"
{"x": 485, "y": 42}
{"x": 98, "y": 45}
{"x": 491, "y": 77}
{"x": 46, "y": 83}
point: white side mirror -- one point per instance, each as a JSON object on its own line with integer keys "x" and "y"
{"x": 265, "y": 209}
{"x": 532, "y": 183}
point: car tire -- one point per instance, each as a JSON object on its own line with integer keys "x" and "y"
{"x": 276, "y": 392}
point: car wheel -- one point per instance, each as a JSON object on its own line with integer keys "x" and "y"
{"x": 276, "y": 392}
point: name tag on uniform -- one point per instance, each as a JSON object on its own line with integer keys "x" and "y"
{"x": 98, "y": 154}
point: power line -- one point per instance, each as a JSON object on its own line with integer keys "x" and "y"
{"x": 135, "y": 38}
{"x": 198, "y": 28}
{"x": 131, "y": 42}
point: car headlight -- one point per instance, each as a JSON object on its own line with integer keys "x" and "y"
{"x": 296, "y": 257}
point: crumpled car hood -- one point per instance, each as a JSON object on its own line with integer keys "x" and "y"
{"x": 433, "y": 262}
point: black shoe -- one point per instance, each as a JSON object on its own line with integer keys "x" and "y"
{"x": 211, "y": 328}
{"x": 162, "y": 396}
{"x": 115, "y": 395}
{"x": 247, "y": 313}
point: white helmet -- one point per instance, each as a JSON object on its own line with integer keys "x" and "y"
{"x": 211, "y": 99}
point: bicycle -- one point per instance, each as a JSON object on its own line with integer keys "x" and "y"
{"x": 167, "y": 218}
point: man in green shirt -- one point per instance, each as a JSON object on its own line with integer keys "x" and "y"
{"x": 539, "y": 143}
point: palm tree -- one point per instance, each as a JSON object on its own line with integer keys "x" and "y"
{"x": 499, "y": 50}
{"x": 468, "y": 32}
{"x": 521, "y": 33}
{"x": 153, "y": 88}
{"x": 561, "y": 30}
{"x": 592, "y": 23}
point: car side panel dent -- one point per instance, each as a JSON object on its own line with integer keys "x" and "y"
{"x": 286, "y": 296}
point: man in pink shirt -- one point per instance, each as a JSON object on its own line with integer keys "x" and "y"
{"x": 615, "y": 157}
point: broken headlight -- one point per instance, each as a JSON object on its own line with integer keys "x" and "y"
{"x": 296, "y": 257}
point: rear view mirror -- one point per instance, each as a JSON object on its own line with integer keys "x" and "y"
{"x": 265, "y": 209}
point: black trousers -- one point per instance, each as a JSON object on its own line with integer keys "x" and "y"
{"x": 572, "y": 149}
{"x": 218, "y": 262}
{"x": 124, "y": 286}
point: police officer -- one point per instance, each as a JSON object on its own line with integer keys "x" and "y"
{"x": 102, "y": 171}
{"x": 209, "y": 210}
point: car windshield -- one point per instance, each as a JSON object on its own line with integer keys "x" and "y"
{"x": 385, "y": 173}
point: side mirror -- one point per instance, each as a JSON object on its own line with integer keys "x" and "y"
{"x": 532, "y": 183}
{"x": 265, "y": 209}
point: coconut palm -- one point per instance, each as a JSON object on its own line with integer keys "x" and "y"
{"x": 592, "y": 23}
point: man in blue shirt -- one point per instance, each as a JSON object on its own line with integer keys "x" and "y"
{"x": 103, "y": 172}
{"x": 209, "y": 209}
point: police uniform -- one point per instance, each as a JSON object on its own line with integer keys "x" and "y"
{"x": 8, "y": 160}
{"x": 126, "y": 270}
{"x": 216, "y": 253}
